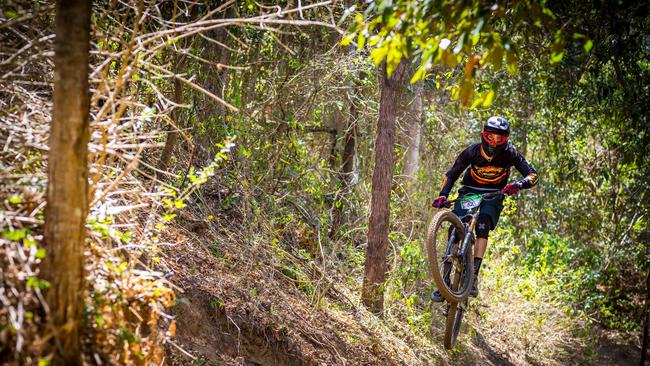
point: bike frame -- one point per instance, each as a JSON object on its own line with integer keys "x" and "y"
{"x": 469, "y": 229}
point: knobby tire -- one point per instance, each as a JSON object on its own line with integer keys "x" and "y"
{"x": 436, "y": 224}
{"x": 452, "y": 325}
{"x": 454, "y": 316}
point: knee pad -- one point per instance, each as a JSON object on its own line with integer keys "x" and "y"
{"x": 483, "y": 226}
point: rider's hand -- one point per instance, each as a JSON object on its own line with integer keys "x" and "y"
{"x": 440, "y": 202}
{"x": 512, "y": 188}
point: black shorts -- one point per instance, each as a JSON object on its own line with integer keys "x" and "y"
{"x": 491, "y": 207}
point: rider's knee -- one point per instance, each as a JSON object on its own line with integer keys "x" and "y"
{"x": 483, "y": 226}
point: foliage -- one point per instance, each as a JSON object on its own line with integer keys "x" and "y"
{"x": 472, "y": 35}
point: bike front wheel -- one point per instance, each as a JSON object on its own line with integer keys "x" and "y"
{"x": 448, "y": 267}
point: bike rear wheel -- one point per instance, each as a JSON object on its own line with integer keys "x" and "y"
{"x": 445, "y": 259}
{"x": 454, "y": 320}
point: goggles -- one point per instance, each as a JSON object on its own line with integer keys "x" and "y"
{"x": 494, "y": 138}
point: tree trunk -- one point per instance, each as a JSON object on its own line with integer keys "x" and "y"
{"x": 644, "y": 340}
{"x": 375, "y": 264}
{"x": 348, "y": 174}
{"x": 172, "y": 134}
{"x": 349, "y": 157}
{"x": 414, "y": 133}
{"x": 67, "y": 190}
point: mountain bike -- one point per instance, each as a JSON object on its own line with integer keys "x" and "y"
{"x": 449, "y": 245}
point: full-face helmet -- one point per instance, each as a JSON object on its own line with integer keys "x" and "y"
{"x": 494, "y": 136}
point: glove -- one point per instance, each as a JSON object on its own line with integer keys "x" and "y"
{"x": 440, "y": 202}
{"x": 512, "y": 189}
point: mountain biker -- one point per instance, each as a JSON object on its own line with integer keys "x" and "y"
{"x": 488, "y": 166}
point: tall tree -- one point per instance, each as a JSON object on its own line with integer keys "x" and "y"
{"x": 67, "y": 190}
{"x": 413, "y": 125}
{"x": 375, "y": 264}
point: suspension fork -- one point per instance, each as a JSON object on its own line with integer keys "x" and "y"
{"x": 467, "y": 241}
{"x": 462, "y": 250}
{"x": 453, "y": 237}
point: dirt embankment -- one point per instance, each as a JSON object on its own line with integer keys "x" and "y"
{"x": 239, "y": 306}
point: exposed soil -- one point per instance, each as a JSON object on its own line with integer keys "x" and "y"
{"x": 238, "y": 310}
{"x": 612, "y": 350}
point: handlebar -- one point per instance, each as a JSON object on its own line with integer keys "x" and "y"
{"x": 485, "y": 196}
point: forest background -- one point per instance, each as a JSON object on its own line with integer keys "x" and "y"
{"x": 232, "y": 147}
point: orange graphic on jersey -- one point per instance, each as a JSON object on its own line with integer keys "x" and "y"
{"x": 488, "y": 174}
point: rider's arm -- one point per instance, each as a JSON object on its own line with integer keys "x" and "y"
{"x": 456, "y": 170}
{"x": 530, "y": 175}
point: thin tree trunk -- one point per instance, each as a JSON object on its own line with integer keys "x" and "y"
{"x": 414, "y": 133}
{"x": 349, "y": 157}
{"x": 67, "y": 190}
{"x": 375, "y": 264}
{"x": 644, "y": 341}
{"x": 337, "y": 121}
{"x": 348, "y": 172}
{"x": 172, "y": 134}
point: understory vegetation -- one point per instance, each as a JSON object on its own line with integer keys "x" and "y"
{"x": 231, "y": 153}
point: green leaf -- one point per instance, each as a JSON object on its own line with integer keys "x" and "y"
{"x": 41, "y": 253}
{"x": 9, "y": 14}
{"x": 34, "y": 282}
{"x": 476, "y": 103}
{"x": 14, "y": 200}
{"x": 378, "y": 54}
{"x": 393, "y": 59}
{"x": 419, "y": 74}
{"x": 361, "y": 42}
{"x": 548, "y": 13}
{"x": 99, "y": 319}
{"x": 373, "y": 41}
{"x": 489, "y": 97}
{"x": 15, "y": 235}
{"x": 358, "y": 19}
{"x": 347, "y": 39}
{"x": 556, "y": 57}
{"x": 588, "y": 45}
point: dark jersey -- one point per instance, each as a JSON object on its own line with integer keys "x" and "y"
{"x": 488, "y": 174}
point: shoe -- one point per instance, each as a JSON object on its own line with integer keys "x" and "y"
{"x": 436, "y": 296}
{"x": 474, "y": 291}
